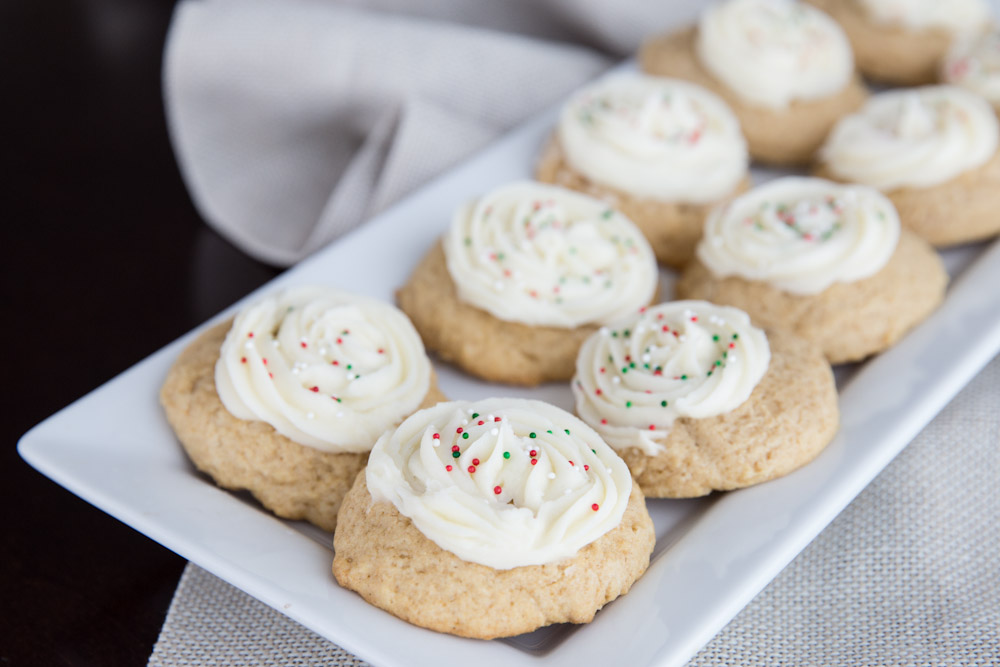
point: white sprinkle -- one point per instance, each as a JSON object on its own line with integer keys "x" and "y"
{"x": 682, "y": 338}
{"x": 647, "y": 358}
{"x": 295, "y": 370}
{"x": 609, "y": 471}
{"x": 248, "y": 345}
{"x": 495, "y": 431}
{"x": 639, "y": 329}
{"x": 732, "y": 359}
{"x": 604, "y": 332}
{"x": 276, "y": 343}
{"x": 311, "y": 415}
{"x": 340, "y": 414}
{"x": 616, "y": 379}
{"x": 351, "y": 376}
{"x": 567, "y": 492}
{"x": 436, "y": 442}
{"x": 322, "y": 351}
{"x": 551, "y": 475}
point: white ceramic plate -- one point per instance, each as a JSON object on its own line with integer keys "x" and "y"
{"x": 114, "y": 449}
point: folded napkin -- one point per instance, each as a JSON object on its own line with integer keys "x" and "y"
{"x": 293, "y": 121}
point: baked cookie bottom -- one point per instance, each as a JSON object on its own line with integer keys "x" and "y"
{"x": 381, "y": 555}
{"x": 672, "y": 228}
{"x": 292, "y": 480}
{"x": 789, "y": 136}
{"x": 789, "y": 418}
{"x": 479, "y": 343}
{"x": 848, "y": 321}
{"x": 960, "y": 210}
{"x": 888, "y": 54}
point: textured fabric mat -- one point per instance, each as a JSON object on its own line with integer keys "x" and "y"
{"x": 908, "y": 575}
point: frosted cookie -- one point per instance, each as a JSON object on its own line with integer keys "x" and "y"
{"x": 522, "y": 276}
{"x": 825, "y": 261}
{"x": 696, "y": 399}
{"x": 974, "y": 64}
{"x": 287, "y": 400}
{"x": 661, "y": 151}
{"x": 491, "y": 519}
{"x": 932, "y": 151}
{"x": 785, "y": 69}
{"x": 902, "y": 42}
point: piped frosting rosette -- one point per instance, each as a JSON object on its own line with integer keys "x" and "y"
{"x": 325, "y": 368}
{"x": 501, "y": 482}
{"x": 676, "y": 359}
{"x": 654, "y": 137}
{"x": 957, "y": 16}
{"x": 773, "y": 52}
{"x": 544, "y": 255}
{"x": 917, "y": 137}
{"x": 801, "y": 234}
{"x": 974, "y": 64}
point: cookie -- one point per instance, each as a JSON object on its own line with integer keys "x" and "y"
{"x": 973, "y": 63}
{"x": 293, "y": 422}
{"x": 492, "y": 519}
{"x": 903, "y": 43}
{"x": 661, "y": 151}
{"x": 784, "y": 68}
{"x": 822, "y": 260}
{"x": 522, "y": 276}
{"x": 933, "y": 152}
{"x": 696, "y": 399}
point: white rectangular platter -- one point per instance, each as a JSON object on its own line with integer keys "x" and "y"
{"x": 114, "y": 449}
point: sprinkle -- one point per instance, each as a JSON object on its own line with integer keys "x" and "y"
{"x": 480, "y": 422}
{"x": 303, "y": 344}
{"x": 494, "y": 431}
{"x": 314, "y": 389}
{"x": 534, "y": 461}
{"x": 506, "y": 455}
{"x": 437, "y": 436}
{"x": 586, "y": 467}
{"x": 735, "y": 336}
{"x": 458, "y": 430}
{"x": 652, "y": 427}
{"x": 732, "y": 345}
{"x": 604, "y": 421}
{"x": 250, "y": 335}
{"x": 533, "y": 452}
{"x": 663, "y": 404}
{"x": 628, "y": 404}
{"x": 448, "y": 467}
{"x": 532, "y": 435}
{"x": 455, "y": 448}
{"x": 455, "y": 454}
{"x": 597, "y": 391}
{"x": 472, "y": 469}
{"x": 595, "y": 507}
{"x": 551, "y": 475}
{"x": 243, "y": 360}
{"x": 465, "y": 436}
{"x": 571, "y": 463}
{"x": 567, "y": 431}
{"x": 475, "y": 462}
{"x": 497, "y": 490}
{"x": 496, "y": 419}
{"x": 381, "y": 351}
{"x": 264, "y": 361}
{"x": 474, "y": 415}
{"x": 311, "y": 415}
{"x": 335, "y": 362}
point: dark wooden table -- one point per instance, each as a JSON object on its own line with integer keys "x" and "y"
{"x": 105, "y": 260}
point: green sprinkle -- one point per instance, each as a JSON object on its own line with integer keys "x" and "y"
{"x": 614, "y": 334}
{"x": 532, "y": 435}
{"x": 506, "y": 455}
{"x": 663, "y": 404}
{"x": 715, "y": 338}
{"x": 465, "y": 436}
{"x": 709, "y": 374}
{"x": 475, "y": 414}
{"x": 718, "y": 362}
{"x": 684, "y": 377}
{"x": 594, "y": 450}
{"x": 631, "y": 364}
{"x": 627, "y": 333}
{"x": 735, "y": 336}
{"x": 348, "y": 367}
{"x": 624, "y": 369}
{"x": 548, "y": 431}
{"x": 607, "y": 214}
{"x": 628, "y": 404}
{"x": 567, "y": 431}
{"x": 455, "y": 455}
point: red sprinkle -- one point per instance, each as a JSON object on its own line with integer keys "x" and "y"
{"x": 339, "y": 341}
{"x": 602, "y": 369}
{"x": 472, "y": 469}
{"x": 694, "y": 319}
{"x": 534, "y": 461}
{"x": 496, "y": 419}
{"x": 437, "y": 436}
{"x": 586, "y": 467}
{"x": 454, "y": 448}
{"x": 665, "y": 328}
{"x": 604, "y": 421}
{"x": 381, "y": 351}
{"x": 458, "y": 430}
{"x": 303, "y": 344}
{"x": 652, "y": 427}
{"x": 497, "y": 490}
{"x": 595, "y": 507}
{"x": 335, "y": 362}
{"x": 642, "y": 309}
{"x": 250, "y": 335}
{"x": 732, "y": 345}
{"x": 481, "y": 422}
{"x": 448, "y": 468}
{"x": 314, "y": 389}
{"x": 597, "y": 391}
{"x": 243, "y": 360}
{"x": 265, "y": 361}
{"x": 475, "y": 462}
{"x": 571, "y": 463}
{"x": 533, "y": 452}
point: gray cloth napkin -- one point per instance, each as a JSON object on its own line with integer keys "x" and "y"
{"x": 293, "y": 121}
{"x": 908, "y": 575}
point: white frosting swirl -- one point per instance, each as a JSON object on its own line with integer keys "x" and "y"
{"x": 772, "y": 52}
{"x": 653, "y": 137}
{"x": 801, "y": 234}
{"x": 325, "y": 368}
{"x": 952, "y": 15}
{"x": 974, "y": 64}
{"x": 676, "y": 359}
{"x": 501, "y": 482}
{"x": 912, "y": 137}
{"x": 544, "y": 255}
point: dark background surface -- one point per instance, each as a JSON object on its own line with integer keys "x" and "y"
{"x": 105, "y": 260}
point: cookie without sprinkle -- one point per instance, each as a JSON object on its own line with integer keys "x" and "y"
{"x": 789, "y": 418}
{"x": 885, "y": 53}
{"x": 672, "y": 228}
{"x": 493, "y": 349}
{"x": 380, "y": 554}
{"x": 849, "y": 321}
{"x": 777, "y": 136}
{"x": 960, "y": 210}
{"x": 292, "y": 480}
